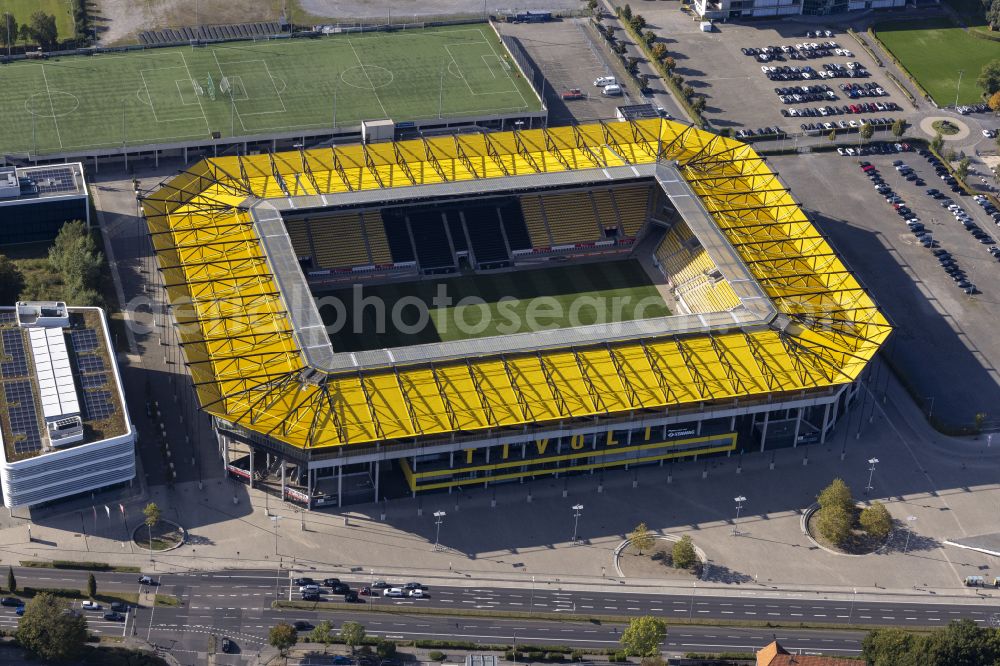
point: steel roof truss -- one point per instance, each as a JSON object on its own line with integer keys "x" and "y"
{"x": 734, "y": 377}
{"x": 595, "y": 396}
{"x": 402, "y": 163}
{"x": 550, "y": 145}
{"x": 371, "y": 166}
{"x": 339, "y": 168}
{"x": 692, "y": 368}
{"x": 522, "y": 401}
{"x": 757, "y": 352}
{"x": 449, "y": 410}
{"x": 630, "y": 392}
{"x": 463, "y": 157}
{"x": 524, "y": 152}
{"x": 430, "y": 157}
{"x": 477, "y": 384}
{"x": 653, "y": 359}
{"x": 371, "y": 406}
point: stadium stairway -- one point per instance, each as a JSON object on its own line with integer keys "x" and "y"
{"x": 430, "y": 240}
{"x": 534, "y": 219}
{"x": 378, "y": 246}
{"x": 632, "y": 204}
{"x": 486, "y": 234}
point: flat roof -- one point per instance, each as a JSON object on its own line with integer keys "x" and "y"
{"x": 246, "y": 355}
{"x": 51, "y": 372}
{"x": 49, "y": 181}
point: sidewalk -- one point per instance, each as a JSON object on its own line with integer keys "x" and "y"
{"x": 946, "y": 484}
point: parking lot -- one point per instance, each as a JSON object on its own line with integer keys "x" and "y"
{"x": 569, "y": 57}
{"x": 738, "y": 94}
{"x": 944, "y": 339}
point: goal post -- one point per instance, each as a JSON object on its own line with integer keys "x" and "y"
{"x": 210, "y": 86}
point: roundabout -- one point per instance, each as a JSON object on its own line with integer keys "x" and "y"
{"x": 930, "y": 126}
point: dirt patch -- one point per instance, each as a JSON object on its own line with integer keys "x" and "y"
{"x": 858, "y": 543}
{"x": 165, "y": 535}
{"x": 634, "y": 565}
{"x": 122, "y": 20}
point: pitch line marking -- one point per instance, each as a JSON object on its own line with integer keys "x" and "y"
{"x": 208, "y": 126}
{"x": 374, "y": 92}
{"x": 52, "y": 108}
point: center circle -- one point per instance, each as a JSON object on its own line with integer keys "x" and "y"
{"x": 54, "y": 104}
{"x": 367, "y": 77}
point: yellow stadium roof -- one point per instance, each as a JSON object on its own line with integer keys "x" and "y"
{"x": 244, "y": 355}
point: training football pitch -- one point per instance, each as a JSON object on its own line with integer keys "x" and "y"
{"x": 934, "y": 50}
{"x": 184, "y": 94}
{"x": 397, "y": 315}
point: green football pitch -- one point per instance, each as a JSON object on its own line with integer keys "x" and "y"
{"x": 934, "y": 51}
{"x": 412, "y": 313}
{"x": 184, "y": 94}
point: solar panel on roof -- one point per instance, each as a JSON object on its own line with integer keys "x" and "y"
{"x": 97, "y": 405}
{"x": 53, "y": 179}
{"x": 13, "y": 347}
{"x": 22, "y": 417}
{"x": 93, "y": 381}
{"x": 90, "y": 363}
{"x": 7, "y": 318}
{"x": 84, "y": 341}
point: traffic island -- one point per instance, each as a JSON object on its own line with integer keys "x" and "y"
{"x": 668, "y": 556}
{"x": 163, "y": 536}
{"x": 857, "y": 542}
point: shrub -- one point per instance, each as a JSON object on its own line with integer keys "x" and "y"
{"x": 437, "y": 655}
{"x": 876, "y": 520}
{"x": 684, "y": 555}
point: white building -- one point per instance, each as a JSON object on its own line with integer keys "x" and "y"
{"x": 64, "y": 428}
{"x": 736, "y": 9}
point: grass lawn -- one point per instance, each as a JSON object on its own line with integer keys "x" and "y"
{"x": 934, "y": 51}
{"x": 256, "y": 88}
{"x": 61, "y": 9}
{"x": 508, "y": 303}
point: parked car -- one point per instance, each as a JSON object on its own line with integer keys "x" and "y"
{"x": 91, "y": 605}
{"x": 112, "y": 616}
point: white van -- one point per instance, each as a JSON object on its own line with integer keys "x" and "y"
{"x": 602, "y": 81}
{"x": 612, "y": 91}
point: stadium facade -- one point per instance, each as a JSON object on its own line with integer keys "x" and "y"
{"x": 769, "y": 338}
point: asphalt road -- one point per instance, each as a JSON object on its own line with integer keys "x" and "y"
{"x": 237, "y": 604}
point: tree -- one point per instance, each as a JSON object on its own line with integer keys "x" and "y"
{"x": 591, "y": 5}
{"x": 11, "y": 281}
{"x": 962, "y": 643}
{"x": 385, "y": 649}
{"x": 643, "y": 81}
{"x": 8, "y": 29}
{"x": 669, "y": 64}
{"x": 282, "y": 636}
{"x": 898, "y": 127}
{"x": 642, "y": 538}
{"x": 994, "y": 101}
{"x": 688, "y": 92}
{"x": 866, "y": 131}
{"x": 91, "y": 586}
{"x": 659, "y": 50}
{"x": 683, "y": 554}
{"x": 643, "y": 635}
{"x": 962, "y": 170}
{"x": 876, "y": 521}
{"x": 834, "y": 523}
{"x": 832, "y": 136}
{"x": 75, "y": 256}
{"x": 11, "y": 581}
{"x": 24, "y": 33}
{"x": 836, "y": 494}
{"x": 884, "y": 647}
{"x": 698, "y": 104}
{"x": 353, "y": 634}
{"x": 937, "y": 142}
{"x": 626, "y": 12}
{"x": 638, "y": 22}
{"x": 49, "y": 630}
{"x": 152, "y": 513}
{"x": 322, "y": 633}
{"x": 993, "y": 14}
{"x": 43, "y": 30}
{"x": 649, "y": 37}
{"x": 989, "y": 77}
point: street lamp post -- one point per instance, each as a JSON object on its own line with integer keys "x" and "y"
{"x": 275, "y": 520}
{"x": 739, "y": 505}
{"x": 871, "y": 474}
{"x": 439, "y": 515}
{"x": 853, "y": 599}
{"x": 909, "y": 530}
{"x": 531, "y": 603}
{"x": 577, "y": 508}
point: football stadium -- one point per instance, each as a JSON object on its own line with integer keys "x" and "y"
{"x": 374, "y": 320}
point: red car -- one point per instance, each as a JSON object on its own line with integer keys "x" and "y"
{"x": 573, "y": 93}
{"x": 365, "y": 591}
